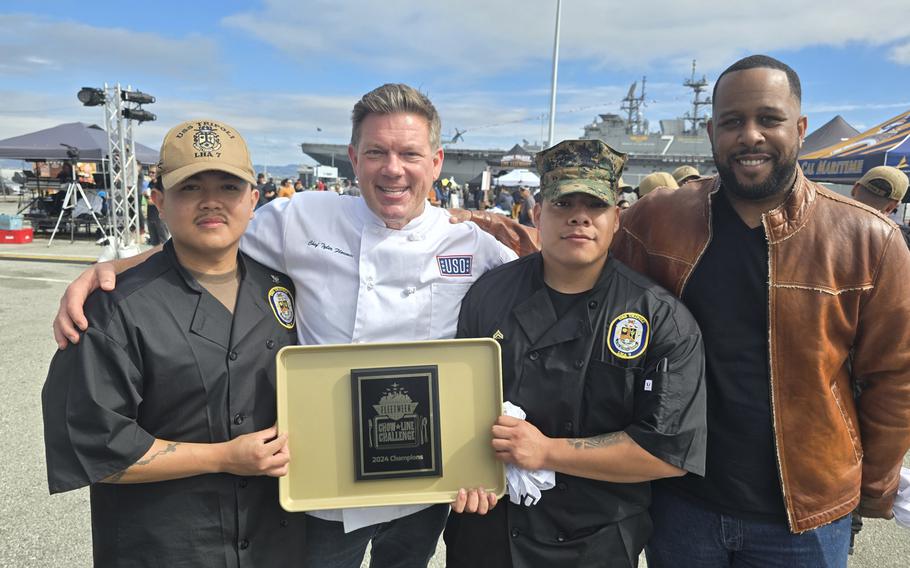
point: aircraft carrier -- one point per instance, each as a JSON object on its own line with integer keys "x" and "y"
{"x": 682, "y": 140}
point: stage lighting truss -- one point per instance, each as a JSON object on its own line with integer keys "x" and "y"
{"x": 122, "y": 107}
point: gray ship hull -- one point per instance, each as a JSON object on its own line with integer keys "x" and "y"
{"x": 465, "y": 164}
{"x": 462, "y": 164}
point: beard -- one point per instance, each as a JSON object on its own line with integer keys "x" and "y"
{"x": 779, "y": 180}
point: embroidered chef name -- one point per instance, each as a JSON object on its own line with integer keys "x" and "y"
{"x": 455, "y": 265}
{"x": 319, "y": 245}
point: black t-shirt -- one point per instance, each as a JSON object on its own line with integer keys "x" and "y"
{"x": 728, "y": 295}
{"x": 563, "y": 302}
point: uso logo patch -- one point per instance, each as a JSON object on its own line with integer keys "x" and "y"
{"x": 282, "y": 306}
{"x": 628, "y": 335}
{"x": 455, "y": 265}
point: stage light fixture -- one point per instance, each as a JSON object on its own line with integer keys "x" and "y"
{"x": 138, "y": 115}
{"x": 137, "y": 97}
{"x": 90, "y": 96}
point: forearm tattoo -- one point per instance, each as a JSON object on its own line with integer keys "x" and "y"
{"x": 601, "y": 441}
{"x": 169, "y": 449}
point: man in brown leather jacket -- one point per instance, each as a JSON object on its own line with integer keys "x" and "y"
{"x": 799, "y": 293}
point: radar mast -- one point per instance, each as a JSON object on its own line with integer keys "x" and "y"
{"x": 698, "y": 86}
{"x": 635, "y": 122}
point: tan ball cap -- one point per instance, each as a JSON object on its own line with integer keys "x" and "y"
{"x": 201, "y": 145}
{"x": 655, "y": 180}
{"x": 683, "y": 172}
{"x": 885, "y": 181}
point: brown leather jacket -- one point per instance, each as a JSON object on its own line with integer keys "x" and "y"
{"x": 839, "y": 293}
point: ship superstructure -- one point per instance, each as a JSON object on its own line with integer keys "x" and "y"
{"x": 682, "y": 140}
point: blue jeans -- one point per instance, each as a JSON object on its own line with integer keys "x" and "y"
{"x": 408, "y": 542}
{"x": 686, "y": 534}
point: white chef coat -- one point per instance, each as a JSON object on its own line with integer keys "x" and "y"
{"x": 358, "y": 281}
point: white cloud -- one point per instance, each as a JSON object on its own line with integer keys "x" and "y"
{"x": 848, "y": 107}
{"x": 31, "y": 45}
{"x": 473, "y": 38}
{"x": 900, "y": 54}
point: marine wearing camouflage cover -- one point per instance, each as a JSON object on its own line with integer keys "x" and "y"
{"x": 580, "y": 166}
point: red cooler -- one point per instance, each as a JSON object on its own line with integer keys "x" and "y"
{"x": 16, "y": 236}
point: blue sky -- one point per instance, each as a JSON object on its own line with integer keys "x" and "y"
{"x": 285, "y": 71}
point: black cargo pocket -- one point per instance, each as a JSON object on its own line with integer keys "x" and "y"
{"x": 609, "y": 398}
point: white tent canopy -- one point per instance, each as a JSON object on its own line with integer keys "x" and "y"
{"x": 518, "y": 177}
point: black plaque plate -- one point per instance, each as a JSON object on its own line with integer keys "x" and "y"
{"x": 396, "y": 422}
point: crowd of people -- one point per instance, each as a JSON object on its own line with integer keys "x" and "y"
{"x": 268, "y": 191}
{"x": 715, "y": 375}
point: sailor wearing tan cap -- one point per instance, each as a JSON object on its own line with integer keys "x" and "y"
{"x": 881, "y": 188}
{"x": 682, "y": 174}
{"x": 166, "y": 406}
{"x": 652, "y": 181}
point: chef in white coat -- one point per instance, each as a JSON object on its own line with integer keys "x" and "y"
{"x": 384, "y": 267}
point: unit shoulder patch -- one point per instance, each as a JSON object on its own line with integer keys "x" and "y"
{"x": 628, "y": 335}
{"x": 282, "y": 303}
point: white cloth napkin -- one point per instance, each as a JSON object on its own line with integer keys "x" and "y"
{"x": 902, "y": 502}
{"x": 525, "y": 486}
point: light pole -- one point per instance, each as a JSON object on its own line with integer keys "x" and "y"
{"x": 555, "y": 69}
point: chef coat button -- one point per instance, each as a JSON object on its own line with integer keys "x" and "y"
{"x": 244, "y": 544}
{"x": 515, "y": 533}
{"x": 284, "y": 522}
{"x": 567, "y": 426}
{"x": 232, "y": 355}
{"x": 243, "y": 483}
{"x": 533, "y": 355}
{"x": 270, "y": 344}
{"x": 238, "y": 419}
{"x": 592, "y": 304}
{"x": 562, "y": 486}
{"x": 579, "y": 363}
{"x": 560, "y": 537}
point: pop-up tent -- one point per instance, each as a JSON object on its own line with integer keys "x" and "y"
{"x": 51, "y": 144}
{"x": 888, "y": 144}
{"x": 518, "y": 177}
{"x": 832, "y": 132}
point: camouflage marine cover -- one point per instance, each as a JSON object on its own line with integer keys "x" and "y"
{"x": 580, "y": 166}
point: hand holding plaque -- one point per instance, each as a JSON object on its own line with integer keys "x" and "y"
{"x": 390, "y": 424}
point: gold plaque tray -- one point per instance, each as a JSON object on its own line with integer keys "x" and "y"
{"x": 315, "y": 408}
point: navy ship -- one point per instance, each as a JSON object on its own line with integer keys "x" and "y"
{"x": 680, "y": 141}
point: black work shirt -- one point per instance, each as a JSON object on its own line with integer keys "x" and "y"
{"x": 590, "y": 371}
{"x": 162, "y": 358}
{"x": 728, "y": 295}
